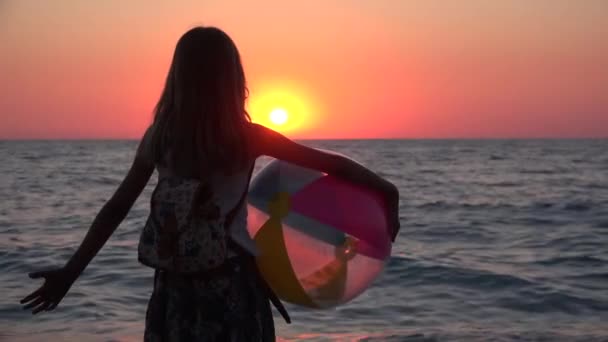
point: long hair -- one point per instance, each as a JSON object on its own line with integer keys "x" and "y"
{"x": 200, "y": 120}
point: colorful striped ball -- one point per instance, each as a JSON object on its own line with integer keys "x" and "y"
{"x": 322, "y": 240}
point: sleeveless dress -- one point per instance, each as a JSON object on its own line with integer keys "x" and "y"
{"x": 229, "y": 305}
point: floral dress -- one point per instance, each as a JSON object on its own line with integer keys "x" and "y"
{"x": 227, "y": 307}
{"x": 229, "y": 303}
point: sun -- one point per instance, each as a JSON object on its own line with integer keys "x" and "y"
{"x": 278, "y": 116}
{"x": 283, "y": 106}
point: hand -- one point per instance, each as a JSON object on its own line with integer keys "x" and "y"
{"x": 394, "y": 224}
{"x": 47, "y": 297}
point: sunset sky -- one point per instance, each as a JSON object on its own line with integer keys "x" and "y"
{"x": 339, "y": 69}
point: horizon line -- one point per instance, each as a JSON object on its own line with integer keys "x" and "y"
{"x": 334, "y": 139}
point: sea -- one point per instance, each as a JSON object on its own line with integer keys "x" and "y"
{"x": 501, "y": 240}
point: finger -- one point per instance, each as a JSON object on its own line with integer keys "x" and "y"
{"x": 53, "y": 306}
{"x": 30, "y": 300}
{"x": 34, "y": 303}
{"x": 31, "y": 296}
{"x": 42, "y": 307}
{"x": 395, "y": 232}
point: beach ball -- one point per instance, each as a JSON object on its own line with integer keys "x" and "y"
{"x": 322, "y": 240}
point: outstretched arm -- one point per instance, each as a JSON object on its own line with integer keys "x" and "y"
{"x": 270, "y": 143}
{"x": 112, "y": 213}
{"x": 58, "y": 281}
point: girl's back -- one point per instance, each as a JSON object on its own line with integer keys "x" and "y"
{"x": 221, "y": 194}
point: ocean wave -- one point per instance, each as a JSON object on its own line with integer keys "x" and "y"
{"x": 601, "y": 224}
{"x": 421, "y": 274}
{"x": 593, "y": 276}
{"x": 596, "y": 186}
{"x": 577, "y": 260}
{"x": 542, "y": 205}
{"x": 537, "y": 172}
{"x": 577, "y": 242}
{"x": 440, "y": 204}
{"x": 361, "y": 337}
{"x": 536, "y": 221}
{"x": 456, "y": 233}
{"x": 504, "y": 184}
{"x": 430, "y": 171}
{"x": 550, "y": 300}
{"x": 578, "y": 206}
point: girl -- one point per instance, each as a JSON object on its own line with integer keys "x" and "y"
{"x": 203, "y": 145}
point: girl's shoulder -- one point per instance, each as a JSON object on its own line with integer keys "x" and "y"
{"x": 258, "y": 136}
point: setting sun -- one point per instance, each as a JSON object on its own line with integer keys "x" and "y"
{"x": 283, "y": 106}
{"x": 278, "y": 116}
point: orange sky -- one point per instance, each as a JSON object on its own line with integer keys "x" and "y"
{"x": 346, "y": 69}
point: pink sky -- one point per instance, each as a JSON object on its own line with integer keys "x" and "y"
{"x": 364, "y": 69}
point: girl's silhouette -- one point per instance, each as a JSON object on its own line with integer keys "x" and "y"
{"x": 203, "y": 145}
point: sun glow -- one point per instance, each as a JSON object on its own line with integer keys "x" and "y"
{"x": 282, "y": 107}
